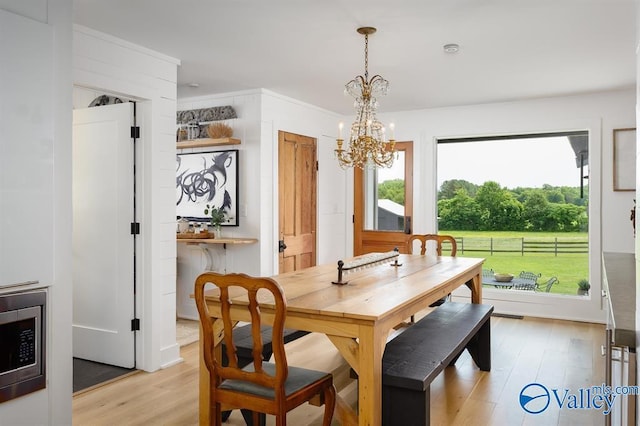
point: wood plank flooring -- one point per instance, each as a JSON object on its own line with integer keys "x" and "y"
{"x": 557, "y": 354}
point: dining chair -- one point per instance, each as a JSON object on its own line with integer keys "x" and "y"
{"x": 441, "y": 241}
{"x": 272, "y": 388}
{"x": 550, "y": 283}
{"x": 488, "y": 273}
{"x": 531, "y": 276}
{"x": 524, "y": 286}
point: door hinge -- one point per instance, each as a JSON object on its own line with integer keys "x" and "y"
{"x": 135, "y": 228}
{"x": 353, "y": 218}
{"x": 135, "y": 324}
{"x": 135, "y": 132}
{"x": 317, "y": 166}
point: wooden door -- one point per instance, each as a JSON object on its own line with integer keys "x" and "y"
{"x": 297, "y": 174}
{"x": 371, "y": 232}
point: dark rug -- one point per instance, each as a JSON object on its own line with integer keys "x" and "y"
{"x": 89, "y": 373}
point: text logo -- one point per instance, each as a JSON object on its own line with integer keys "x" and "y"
{"x": 534, "y": 398}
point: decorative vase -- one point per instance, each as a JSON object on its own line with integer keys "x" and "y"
{"x": 183, "y": 225}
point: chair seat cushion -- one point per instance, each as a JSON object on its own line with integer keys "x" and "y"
{"x": 297, "y": 379}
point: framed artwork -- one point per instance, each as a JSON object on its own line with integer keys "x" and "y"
{"x": 624, "y": 159}
{"x": 207, "y": 178}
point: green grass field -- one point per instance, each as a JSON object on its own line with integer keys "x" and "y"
{"x": 569, "y": 268}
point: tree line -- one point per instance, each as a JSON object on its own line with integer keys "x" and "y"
{"x": 463, "y": 205}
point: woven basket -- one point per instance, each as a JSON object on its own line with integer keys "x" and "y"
{"x": 219, "y": 131}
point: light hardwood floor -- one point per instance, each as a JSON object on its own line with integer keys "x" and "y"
{"x": 557, "y": 354}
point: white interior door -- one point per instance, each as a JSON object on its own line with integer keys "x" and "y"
{"x": 103, "y": 248}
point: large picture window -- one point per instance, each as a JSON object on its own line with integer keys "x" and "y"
{"x": 520, "y": 202}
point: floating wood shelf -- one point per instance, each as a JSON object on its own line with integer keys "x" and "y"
{"x": 198, "y": 143}
{"x": 221, "y": 240}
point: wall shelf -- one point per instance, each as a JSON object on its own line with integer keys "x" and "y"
{"x": 204, "y": 142}
{"x": 220, "y": 240}
{"x": 204, "y": 244}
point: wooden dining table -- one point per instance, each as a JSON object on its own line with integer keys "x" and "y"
{"x": 357, "y": 317}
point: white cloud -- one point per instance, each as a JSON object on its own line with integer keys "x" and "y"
{"x": 511, "y": 163}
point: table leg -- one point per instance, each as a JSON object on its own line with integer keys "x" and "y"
{"x": 371, "y": 341}
{"x": 475, "y": 285}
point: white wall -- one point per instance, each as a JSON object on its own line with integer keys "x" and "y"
{"x": 289, "y": 115}
{"x": 261, "y": 114}
{"x": 599, "y": 113}
{"x": 53, "y": 404}
{"x": 236, "y": 258}
{"x": 110, "y": 65}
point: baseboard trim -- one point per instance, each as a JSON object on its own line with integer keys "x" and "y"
{"x": 507, "y": 316}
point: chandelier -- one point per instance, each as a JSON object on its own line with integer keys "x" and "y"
{"x": 367, "y": 145}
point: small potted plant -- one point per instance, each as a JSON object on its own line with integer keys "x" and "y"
{"x": 583, "y": 287}
{"x": 218, "y": 217}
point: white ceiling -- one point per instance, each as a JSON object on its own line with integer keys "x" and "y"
{"x": 308, "y": 49}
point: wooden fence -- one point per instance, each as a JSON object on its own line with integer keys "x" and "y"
{"x": 555, "y": 246}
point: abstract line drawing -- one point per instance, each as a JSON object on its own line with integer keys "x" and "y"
{"x": 207, "y": 178}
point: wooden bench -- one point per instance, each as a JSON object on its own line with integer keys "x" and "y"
{"x": 414, "y": 358}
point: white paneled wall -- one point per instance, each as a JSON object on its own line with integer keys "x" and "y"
{"x": 289, "y": 115}
{"x": 35, "y": 185}
{"x": 26, "y": 172}
{"x": 236, "y": 258}
{"x": 26, "y": 159}
{"x": 261, "y": 114}
{"x": 105, "y": 64}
